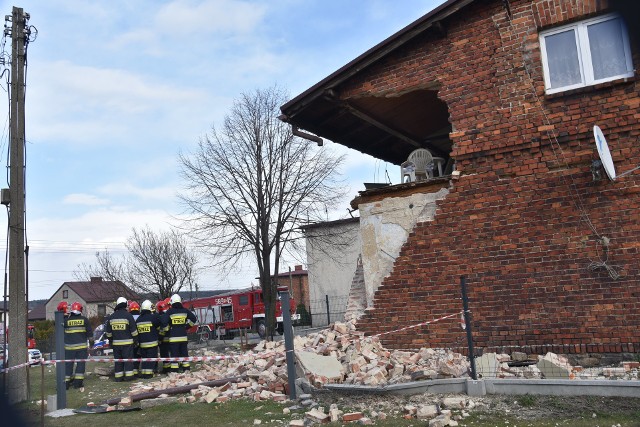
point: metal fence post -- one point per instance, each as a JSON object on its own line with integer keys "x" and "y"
{"x": 60, "y": 384}
{"x": 467, "y": 321}
{"x": 328, "y": 315}
{"x": 288, "y": 343}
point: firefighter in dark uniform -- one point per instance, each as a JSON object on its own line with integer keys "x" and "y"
{"x": 77, "y": 331}
{"x": 164, "y": 366}
{"x": 123, "y": 334}
{"x": 134, "y": 309}
{"x": 148, "y": 324}
{"x": 175, "y": 323}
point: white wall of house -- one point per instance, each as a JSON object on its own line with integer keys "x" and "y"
{"x": 90, "y": 309}
{"x": 385, "y": 226}
{"x": 332, "y": 255}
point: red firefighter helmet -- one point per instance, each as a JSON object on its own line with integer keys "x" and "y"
{"x": 63, "y": 306}
{"x": 168, "y": 302}
{"x": 161, "y": 306}
{"x": 76, "y": 306}
{"x": 134, "y": 306}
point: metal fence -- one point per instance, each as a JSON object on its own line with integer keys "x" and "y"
{"x": 328, "y": 310}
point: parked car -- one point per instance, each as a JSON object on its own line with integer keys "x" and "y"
{"x": 101, "y": 346}
{"x": 35, "y": 356}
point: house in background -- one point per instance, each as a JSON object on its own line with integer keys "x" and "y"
{"x": 39, "y": 312}
{"x": 96, "y": 295}
{"x": 505, "y": 94}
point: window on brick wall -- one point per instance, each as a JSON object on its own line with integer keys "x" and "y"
{"x": 585, "y": 53}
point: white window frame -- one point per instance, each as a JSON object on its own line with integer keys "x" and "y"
{"x": 580, "y": 30}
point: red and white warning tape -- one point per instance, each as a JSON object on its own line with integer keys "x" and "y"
{"x": 220, "y": 357}
{"x": 109, "y": 360}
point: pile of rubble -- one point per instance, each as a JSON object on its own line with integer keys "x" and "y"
{"x": 549, "y": 366}
{"x": 341, "y": 354}
{"x": 365, "y": 361}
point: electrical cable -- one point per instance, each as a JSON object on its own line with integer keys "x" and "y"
{"x": 577, "y": 199}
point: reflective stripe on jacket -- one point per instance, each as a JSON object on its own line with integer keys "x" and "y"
{"x": 148, "y": 324}
{"x": 121, "y": 328}
{"x": 175, "y": 323}
{"x": 77, "y": 330}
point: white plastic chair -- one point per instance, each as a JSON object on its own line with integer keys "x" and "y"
{"x": 419, "y": 165}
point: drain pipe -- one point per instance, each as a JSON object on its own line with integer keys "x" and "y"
{"x": 305, "y": 135}
{"x": 297, "y": 132}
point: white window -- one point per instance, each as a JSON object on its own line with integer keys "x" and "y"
{"x": 585, "y": 53}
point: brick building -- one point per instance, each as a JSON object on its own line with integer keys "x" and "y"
{"x": 506, "y": 94}
{"x": 298, "y": 282}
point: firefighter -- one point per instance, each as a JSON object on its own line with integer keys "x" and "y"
{"x": 175, "y": 322}
{"x": 148, "y": 324}
{"x": 164, "y": 366}
{"x": 134, "y": 309}
{"x": 77, "y": 331}
{"x": 123, "y": 334}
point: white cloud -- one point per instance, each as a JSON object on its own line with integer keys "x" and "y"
{"x": 125, "y": 189}
{"x": 84, "y": 199}
{"x": 194, "y": 18}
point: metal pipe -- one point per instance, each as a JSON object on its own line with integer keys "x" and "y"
{"x": 305, "y": 135}
{"x": 467, "y": 322}
{"x": 288, "y": 343}
{"x": 175, "y": 390}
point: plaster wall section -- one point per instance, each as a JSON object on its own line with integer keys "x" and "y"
{"x": 385, "y": 226}
{"x": 332, "y": 259}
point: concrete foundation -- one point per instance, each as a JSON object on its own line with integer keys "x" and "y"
{"x": 483, "y": 387}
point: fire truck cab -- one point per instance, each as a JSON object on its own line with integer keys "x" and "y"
{"x": 225, "y": 315}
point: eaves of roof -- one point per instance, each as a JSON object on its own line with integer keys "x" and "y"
{"x": 374, "y": 54}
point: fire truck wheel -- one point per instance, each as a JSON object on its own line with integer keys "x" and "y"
{"x": 99, "y": 352}
{"x": 261, "y": 328}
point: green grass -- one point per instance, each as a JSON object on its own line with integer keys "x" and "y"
{"x": 551, "y": 411}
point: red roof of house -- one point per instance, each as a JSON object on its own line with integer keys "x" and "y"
{"x": 98, "y": 290}
{"x": 39, "y": 312}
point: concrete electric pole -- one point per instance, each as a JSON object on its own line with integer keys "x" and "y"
{"x": 17, "y": 378}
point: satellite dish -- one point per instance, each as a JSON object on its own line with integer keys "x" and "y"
{"x": 603, "y": 152}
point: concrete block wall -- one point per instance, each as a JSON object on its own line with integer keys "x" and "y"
{"x": 523, "y": 222}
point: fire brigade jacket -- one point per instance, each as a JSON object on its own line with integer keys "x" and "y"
{"x": 77, "y": 331}
{"x": 148, "y": 324}
{"x": 121, "y": 328}
{"x": 176, "y": 321}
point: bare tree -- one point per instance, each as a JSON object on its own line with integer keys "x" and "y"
{"x": 158, "y": 264}
{"x": 251, "y": 184}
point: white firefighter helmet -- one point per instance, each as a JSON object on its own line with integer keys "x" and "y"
{"x": 175, "y": 298}
{"x": 121, "y": 300}
{"x": 146, "y": 305}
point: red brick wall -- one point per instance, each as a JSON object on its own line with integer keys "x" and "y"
{"x": 522, "y": 223}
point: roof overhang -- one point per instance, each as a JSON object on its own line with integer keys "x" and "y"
{"x": 387, "y": 127}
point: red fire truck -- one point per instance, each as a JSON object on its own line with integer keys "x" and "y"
{"x": 225, "y": 315}
{"x": 31, "y": 336}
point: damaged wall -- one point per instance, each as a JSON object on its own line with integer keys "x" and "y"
{"x": 523, "y": 222}
{"x": 385, "y": 226}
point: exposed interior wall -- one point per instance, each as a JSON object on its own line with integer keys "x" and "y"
{"x": 332, "y": 256}
{"x": 385, "y": 226}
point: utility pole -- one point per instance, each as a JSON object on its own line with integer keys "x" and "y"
{"x": 17, "y": 383}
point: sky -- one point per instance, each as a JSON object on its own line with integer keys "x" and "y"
{"x": 117, "y": 89}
